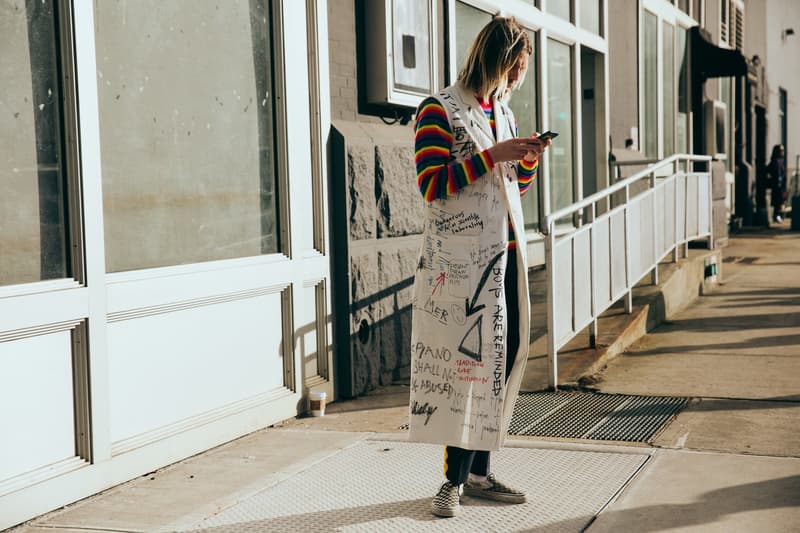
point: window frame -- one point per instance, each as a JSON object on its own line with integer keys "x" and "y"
{"x": 665, "y": 12}
{"x": 65, "y": 58}
{"x": 276, "y": 36}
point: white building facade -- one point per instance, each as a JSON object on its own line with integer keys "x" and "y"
{"x": 164, "y": 276}
{"x": 780, "y": 38}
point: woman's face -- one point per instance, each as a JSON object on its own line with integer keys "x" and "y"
{"x": 518, "y": 70}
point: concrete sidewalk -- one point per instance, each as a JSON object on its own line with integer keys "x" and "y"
{"x": 736, "y": 351}
{"x": 729, "y": 462}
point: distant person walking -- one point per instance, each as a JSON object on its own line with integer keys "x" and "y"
{"x": 470, "y": 320}
{"x": 776, "y": 172}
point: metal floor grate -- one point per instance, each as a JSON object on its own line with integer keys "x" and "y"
{"x": 385, "y": 486}
{"x": 585, "y": 415}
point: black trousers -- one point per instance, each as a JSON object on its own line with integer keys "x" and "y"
{"x": 458, "y": 462}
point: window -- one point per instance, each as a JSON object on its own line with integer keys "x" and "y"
{"x": 725, "y": 96}
{"x": 590, "y": 15}
{"x": 668, "y": 84}
{"x": 559, "y": 116}
{"x": 33, "y": 197}
{"x": 682, "y": 83}
{"x": 469, "y": 22}
{"x": 650, "y": 85}
{"x": 559, "y": 8}
{"x": 523, "y": 104}
{"x": 187, "y": 131}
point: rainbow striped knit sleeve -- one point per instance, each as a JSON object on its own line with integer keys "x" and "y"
{"x": 437, "y": 175}
{"x": 526, "y": 173}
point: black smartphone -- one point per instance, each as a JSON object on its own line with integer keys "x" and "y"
{"x": 548, "y": 135}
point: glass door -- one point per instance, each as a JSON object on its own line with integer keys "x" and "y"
{"x": 43, "y": 297}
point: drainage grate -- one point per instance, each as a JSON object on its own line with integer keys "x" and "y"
{"x": 583, "y": 415}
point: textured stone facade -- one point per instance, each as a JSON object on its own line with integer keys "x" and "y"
{"x": 360, "y": 188}
{"x": 380, "y": 215}
{"x": 400, "y": 211}
{"x": 384, "y": 215}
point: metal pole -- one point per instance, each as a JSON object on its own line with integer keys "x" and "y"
{"x": 552, "y": 355}
{"x": 654, "y": 273}
{"x": 675, "y": 214}
{"x": 689, "y": 170}
{"x": 628, "y": 281}
{"x": 592, "y": 288}
{"x": 710, "y": 211}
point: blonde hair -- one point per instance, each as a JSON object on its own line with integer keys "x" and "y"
{"x": 492, "y": 54}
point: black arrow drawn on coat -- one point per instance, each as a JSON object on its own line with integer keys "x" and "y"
{"x": 471, "y": 308}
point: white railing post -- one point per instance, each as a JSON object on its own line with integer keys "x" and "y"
{"x": 710, "y": 209}
{"x": 592, "y": 278}
{"x": 627, "y": 248}
{"x": 675, "y": 239}
{"x": 685, "y": 237}
{"x": 552, "y": 350}
{"x": 654, "y": 272}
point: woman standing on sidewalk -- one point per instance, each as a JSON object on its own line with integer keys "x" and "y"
{"x": 470, "y": 324}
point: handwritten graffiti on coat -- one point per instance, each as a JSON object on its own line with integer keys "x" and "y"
{"x": 462, "y": 143}
{"x": 436, "y": 311}
{"x": 498, "y": 328}
{"x": 423, "y": 409}
{"x": 432, "y": 374}
{"x": 421, "y": 349}
{"x": 458, "y": 222}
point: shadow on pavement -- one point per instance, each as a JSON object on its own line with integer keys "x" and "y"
{"x": 410, "y": 512}
{"x": 757, "y": 342}
{"x": 713, "y": 505}
{"x": 784, "y": 291}
{"x": 762, "y": 495}
{"x": 732, "y": 322}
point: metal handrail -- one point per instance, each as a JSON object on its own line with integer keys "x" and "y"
{"x": 550, "y": 219}
{"x": 632, "y": 162}
{"x": 596, "y": 264}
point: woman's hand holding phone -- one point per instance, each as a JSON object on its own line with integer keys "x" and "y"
{"x": 514, "y": 149}
{"x": 543, "y": 141}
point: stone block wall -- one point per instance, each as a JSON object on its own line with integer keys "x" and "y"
{"x": 377, "y": 219}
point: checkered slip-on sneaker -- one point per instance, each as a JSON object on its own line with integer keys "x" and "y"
{"x": 491, "y": 489}
{"x": 447, "y": 501}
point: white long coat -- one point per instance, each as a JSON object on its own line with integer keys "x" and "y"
{"x": 459, "y": 395}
